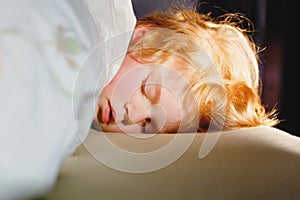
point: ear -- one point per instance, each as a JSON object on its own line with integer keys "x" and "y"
{"x": 139, "y": 32}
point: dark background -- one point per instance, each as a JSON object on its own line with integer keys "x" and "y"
{"x": 276, "y": 27}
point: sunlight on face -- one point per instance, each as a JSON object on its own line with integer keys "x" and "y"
{"x": 138, "y": 101}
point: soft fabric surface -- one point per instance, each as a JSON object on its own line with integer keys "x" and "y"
{"x": 53, "y": 55}
{"x": 251, "y": 163}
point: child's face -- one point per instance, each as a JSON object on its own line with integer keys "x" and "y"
{"x": 135, "y": 102}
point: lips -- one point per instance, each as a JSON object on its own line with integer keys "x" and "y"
{"x": 106, "y": 114}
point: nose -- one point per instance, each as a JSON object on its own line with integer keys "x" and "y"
{"x": 136, "y": 114}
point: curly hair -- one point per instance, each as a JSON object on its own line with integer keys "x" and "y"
{"x": 219, "y": 60}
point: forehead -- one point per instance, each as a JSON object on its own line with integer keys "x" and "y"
{"x": 172, "y": 107}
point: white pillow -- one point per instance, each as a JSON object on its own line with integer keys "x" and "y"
{"x": 52, "y": 54}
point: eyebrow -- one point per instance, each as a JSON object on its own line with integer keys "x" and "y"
{"x": 157, "y": 93}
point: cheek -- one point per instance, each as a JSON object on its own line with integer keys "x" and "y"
{"x": 124, "y": 77}
{"x": 124, "y": 84}
{"x": 126, "y": 87}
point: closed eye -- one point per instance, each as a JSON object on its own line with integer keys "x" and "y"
{"x": 151, "y": 91}
{"x": 143, "y": 89}
{"x": 149, "y": 126}
{"x": 145, "y": 126}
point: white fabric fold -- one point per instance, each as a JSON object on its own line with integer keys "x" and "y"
{"x": 52, "y": 55}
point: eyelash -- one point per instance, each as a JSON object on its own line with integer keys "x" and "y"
{"x": 143, "y": 89}
{"x": 147, "y": 124}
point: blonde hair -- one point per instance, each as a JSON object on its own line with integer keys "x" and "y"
{"x": 218, "y": 59}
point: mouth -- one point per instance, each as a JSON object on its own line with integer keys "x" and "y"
{"x": 106, "y": 114}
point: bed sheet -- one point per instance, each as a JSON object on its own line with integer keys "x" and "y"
{"x": 248, "y": 163}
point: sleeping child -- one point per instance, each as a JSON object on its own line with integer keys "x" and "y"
{"x": 184, "y": 72}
